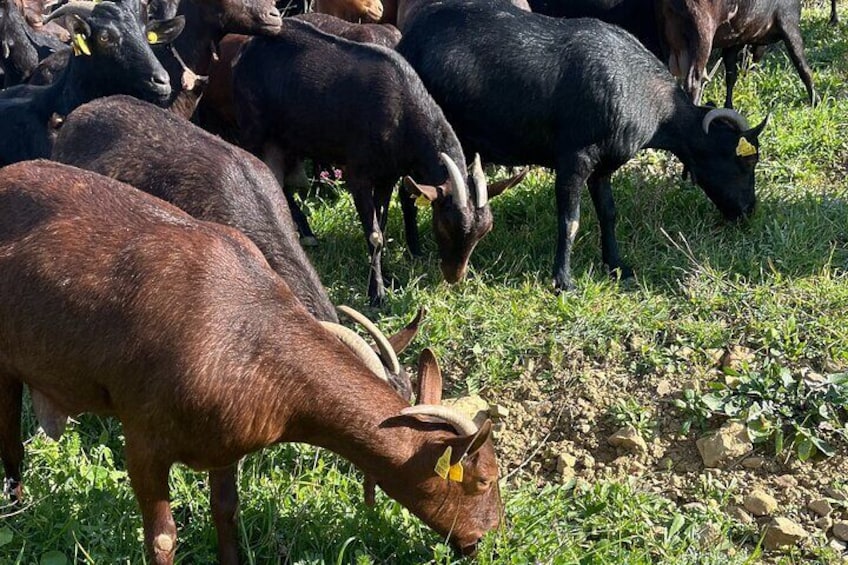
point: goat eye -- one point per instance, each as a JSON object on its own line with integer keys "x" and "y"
{"x": 483, "y": 483}
{"x": 103, "y": 37}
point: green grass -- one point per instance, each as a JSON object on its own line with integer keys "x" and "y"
{"x": 777, "y": 285}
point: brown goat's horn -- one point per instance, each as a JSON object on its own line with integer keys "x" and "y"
{"x": 725, "y": 113}
{"x": 463, "y": 424}
{"x": 481, "y": 186}
{"x": 81, "y": 8}
{"x": 460, "y": 191}
{"x": 387, "y": 354}
{"x": 359, "y": 347}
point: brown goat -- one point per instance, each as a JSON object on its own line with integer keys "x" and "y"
{"x": 365, "y": 11}
{"x": 117, "y": 303}
{"x": 690, "y": 29}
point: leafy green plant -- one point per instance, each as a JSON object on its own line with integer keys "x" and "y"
{"x": 809, "y": 411}
{"x": 630, "y": 412}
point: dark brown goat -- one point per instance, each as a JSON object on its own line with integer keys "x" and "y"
{"x": 308, "y": 94}
{"x": 690, "y": 29}
{"x": 115, "y": 302}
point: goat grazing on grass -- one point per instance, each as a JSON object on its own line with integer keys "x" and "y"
{"x": 115, "y": 302}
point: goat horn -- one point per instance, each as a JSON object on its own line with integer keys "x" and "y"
{"x": 359, "y": 347}
{"x": 480, "y": 186}
{"x": 387, "y": 354}
{"x": 462, "y": 423}
{"x": 725, "y": 113}
{"x": 81, "y": 8}
{"x": 460, "y": 191}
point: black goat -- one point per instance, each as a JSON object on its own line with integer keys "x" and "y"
{"x": 590, "y": 97}
{"x": 21, "y": 46}
{"x": 310, "y": 94}
{"x": 114, "y": 57}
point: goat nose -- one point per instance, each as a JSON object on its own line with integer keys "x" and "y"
{"x": 161, "y": 78}
{"x": 274, "y": 13}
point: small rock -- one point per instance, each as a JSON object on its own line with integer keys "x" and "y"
{"x": 498, "y": 411}
{"x": 783, "y": 532}
{"x": 753, "y": 462}
{"x": 729, "y": 442}
{"x": 566, "y": 474}
{"x": 824, "y": 523}
{"x": 664, "y": 388}
{"x": 530, "y": 406}
{"x": 714, "y": 355}
{"x": 837, "y": 546}
{"x": 840, "y": 530}
{"x": 786, "y": 481}
{"x": 628, "y": 438}
{"x": 839, "y": 496}
{"x": 584, "y": 428}
{"x": 738, "y": 513}
{"x": 820, "y": 506}
{"x": 473, "y": 406}
{"x": 565, "y": 461}
{"x": 695, "y": 507}
{"x": 760, "y": 503}
{"x": 735, "y": 357}
{"x": 709, "y": 534}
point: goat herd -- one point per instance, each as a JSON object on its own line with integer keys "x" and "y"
{"x": 186, "y": 307}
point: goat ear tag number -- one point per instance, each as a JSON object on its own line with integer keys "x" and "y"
{"x": 81, "y": 45}
{"x": 152, "y": 37}
{"x": 443, "y": 465}
{"x": 745, "y": 149}
{"x": 422, "y": 201}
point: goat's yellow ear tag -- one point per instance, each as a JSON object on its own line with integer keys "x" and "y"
{"x": 422, "y": 201}
{"x": 456, "y": 472}
{"x": 80, "y": 45}
{"x": 152, "y": 37}
{"x": 744, "y": 148}
{"x": 443, "y": 465}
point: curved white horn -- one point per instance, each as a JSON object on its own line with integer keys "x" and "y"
{"x": 387, "y": 354}
{"x": 462, "y": 423}
{"x": 727, "y": 114}
{"x": 481, "y": 187}
{"x": 359, "y": 347}
{"x": 80, "y": 7}
{"x": 460, "y": 191}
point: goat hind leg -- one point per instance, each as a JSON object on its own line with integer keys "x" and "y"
{"x": 795, "y": 46}
{"x": 730, "y": 56}
{"x": 601, "y": 192}
{"x": 570, "y": 177}
{"x": 363, "y": 198}
{"x": 223, "y": 498}
{"x": 11, "y": 446}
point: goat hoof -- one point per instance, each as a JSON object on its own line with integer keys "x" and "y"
{"x": 309, "y": 241}
{"x": 13, "y": 490}
{"x": 620, "y": 272}
{"x": 566, "y": 285}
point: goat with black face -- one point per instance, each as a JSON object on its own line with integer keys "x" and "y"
{"x": 591, "y": 98}
{"x": 112, "y": 55}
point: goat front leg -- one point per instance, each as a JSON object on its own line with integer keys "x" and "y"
{"x": 149, "y": 480}
{"x": 410, "y": 222}
{"x": 11, "y": 447}
{"x": 364, "y": 200}
{"x": 223, "y": 498}
{"x": 601, "y": 192}
{"x": 569, "y": 182}
{"x": 730, "y": 56}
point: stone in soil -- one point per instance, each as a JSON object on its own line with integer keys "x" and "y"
{"x": 824, "y": 523}
{"x": 840, "y": 530}
{"x": 786, "y": 481}
{"x": 783, "y": 533}
{"x": 753, "y": 462}
{"x": 730, "y": 442}
{"x": 628, "y": 438}
{"x": 498, "y": 411}
{"x": 473, "y": 406}
{"x": 820, "y": 506}
{"x": 738, "y": 513}
{"x": 760, "y": 503}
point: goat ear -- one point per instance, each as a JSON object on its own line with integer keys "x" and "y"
{"x": 402, "y": 339}
{"x": 755, "y": 131}
{"x": 429, "y": 378}
{"x": 496, "y": 188}
{"x": 164, "y": 31}
{"x": 471, "y": 444}
{"x": 427, "y": 191}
